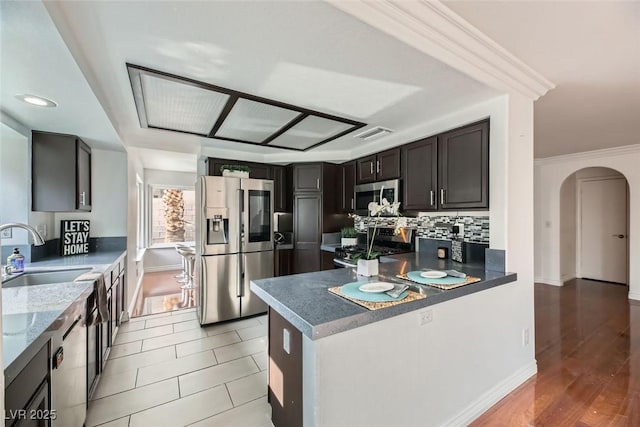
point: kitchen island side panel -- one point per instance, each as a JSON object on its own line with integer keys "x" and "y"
{"x": 401, "y": 372}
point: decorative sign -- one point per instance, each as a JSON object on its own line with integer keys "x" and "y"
{"x": 74, "y": 235}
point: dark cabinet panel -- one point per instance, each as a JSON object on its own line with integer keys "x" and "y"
{"x": 463, "y": 167}
{"x": 256, "y": 170}
{"x": 60, "y": 173}
{"x": 283, "y": 262}
{"x": 379, "y": 167}
{"x": 282, "y": 189}
{"x": 388, "y": 165}
{"x": 307, "y": 177}
{"x": 93, "y": 353}
{"x": 84, "y": 176}
{"x": 366, "y": 169}
{"x": 348, "y": 181}
{"x": 307, "y": 232}
{"x": 284, "y": 391}
{"x": 420, "y": 174}
{"x": 260, "y": 171}
{"x": 327, "y": 260}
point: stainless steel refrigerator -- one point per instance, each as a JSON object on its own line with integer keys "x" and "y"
{"x": 234, "y": 245}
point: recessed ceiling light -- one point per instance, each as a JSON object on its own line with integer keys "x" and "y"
{"x": 37, "y": 100}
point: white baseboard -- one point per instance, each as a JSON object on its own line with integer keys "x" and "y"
{"x": 132, "y": 304}
{"x": 162, "y": 268}
{"x": 548, "y": 281}
{"x": 634, "y": 295}
{"x": 491, "y": 397}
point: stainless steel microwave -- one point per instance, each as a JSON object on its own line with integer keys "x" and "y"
{"x": 367, "y": 193}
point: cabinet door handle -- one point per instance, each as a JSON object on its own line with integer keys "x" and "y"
{"x": 371, "y": 167}
{"x": 352, "y": 203}
{"x": 82, "y": 199}
{"x": 377, "y": 166}
{"x": 431, "y": 197}
{"x": 619, "y": 236}
{"x": 318, "y": 183}
{"x": 442, "y": 196}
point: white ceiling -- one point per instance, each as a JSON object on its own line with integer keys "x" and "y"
{"x": 589, "y": 49}
{"x": 313, "y": 55}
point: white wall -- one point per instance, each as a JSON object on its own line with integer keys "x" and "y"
{"x": 134, "y": 260}
{"x": 109, "y": 196}
{"x": 550, "y": 174}
{"x": 15, "y": 182}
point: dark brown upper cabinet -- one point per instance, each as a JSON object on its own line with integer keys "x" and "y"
{"x": 420, "y": 175}
{"x": 379, "y": 167}
{"x": 307, "y": 177}
{"x": 256, "y": 170}
{"x": 282, "y": 200}
{"x": 60, "y": 173}
{"x": 348, "y": 181}
{"x": 463, "y": 167}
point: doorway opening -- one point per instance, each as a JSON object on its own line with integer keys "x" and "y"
{"x": 594, "y": 226}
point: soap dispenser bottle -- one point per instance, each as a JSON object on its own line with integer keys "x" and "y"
{"x": 16, "y": 261}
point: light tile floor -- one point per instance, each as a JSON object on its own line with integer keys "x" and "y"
{"x": 165, "y": 370}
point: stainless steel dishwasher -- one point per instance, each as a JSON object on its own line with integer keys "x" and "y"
{"x": 69, "y": 376}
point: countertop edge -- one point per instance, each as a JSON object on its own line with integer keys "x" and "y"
{"x": 19, "y": 363}
{"x": 368, "y": 317}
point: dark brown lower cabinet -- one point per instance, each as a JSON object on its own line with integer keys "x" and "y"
{"x": 285, "y": 372}
{"x": 327, "y": 260}
{"x": 27, "y": 397}
{"x": 93, "y": 354}
{"x": 306, "y": 259}
{"x": 283, "y": 262}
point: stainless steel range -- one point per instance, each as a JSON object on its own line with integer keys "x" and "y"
{"x": 385, "y": 242}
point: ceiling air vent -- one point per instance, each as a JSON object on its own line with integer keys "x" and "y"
{"x": 373, "y": 133}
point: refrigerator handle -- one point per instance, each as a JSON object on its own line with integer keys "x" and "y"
{"x": 240, "y": 285}
{"x": 241, "y": 218}
{"x": 203, "y": 279}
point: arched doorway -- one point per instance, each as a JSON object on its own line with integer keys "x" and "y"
{"x": 594, "y": 226}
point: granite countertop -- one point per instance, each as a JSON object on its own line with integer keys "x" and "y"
{"x": 303, "y": 299}
{"x": 31, "y": 315}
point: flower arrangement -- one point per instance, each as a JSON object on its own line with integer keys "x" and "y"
{"x": 377, "y": 210}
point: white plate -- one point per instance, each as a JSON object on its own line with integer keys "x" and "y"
{"x": 433, "y": 274}
{"x": 376, "y": 287}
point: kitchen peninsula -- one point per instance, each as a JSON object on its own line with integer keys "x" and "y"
{"x": 441, "y": 360}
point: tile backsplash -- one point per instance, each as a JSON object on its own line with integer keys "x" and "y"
{"x": 476, "y": 228}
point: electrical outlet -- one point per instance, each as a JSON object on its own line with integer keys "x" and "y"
{"x": 6, "y": 234}
{"x": 525, "y": 337}
{"x": 460, "y": 229}
{"x": 426, "y": 317}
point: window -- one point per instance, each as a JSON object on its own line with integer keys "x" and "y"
{"x": 173, "y": 215}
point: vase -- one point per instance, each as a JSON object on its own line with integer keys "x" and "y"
{"x": 235, "y": 174}
{"x": 367, "y": 267}
{"x": 348, "y": 241}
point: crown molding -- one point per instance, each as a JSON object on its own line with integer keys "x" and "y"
{"x": 434, "y": 29}
{"x": 624, "y": 150}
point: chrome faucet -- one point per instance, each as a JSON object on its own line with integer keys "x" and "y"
{"x": 37, "y": 238}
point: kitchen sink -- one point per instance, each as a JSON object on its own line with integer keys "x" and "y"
{"x": 44, "y": 277}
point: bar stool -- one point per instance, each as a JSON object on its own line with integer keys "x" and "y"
{"x": 182, "y": 276}
{"x": 189, "y": 259}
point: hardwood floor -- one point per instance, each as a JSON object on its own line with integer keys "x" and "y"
{"x": 588, "y": 354}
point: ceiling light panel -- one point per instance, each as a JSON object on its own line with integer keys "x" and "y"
{"x": 254, "y": 121}
{"x": 179, "y": 106}
{"x": 310, "y": 131}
